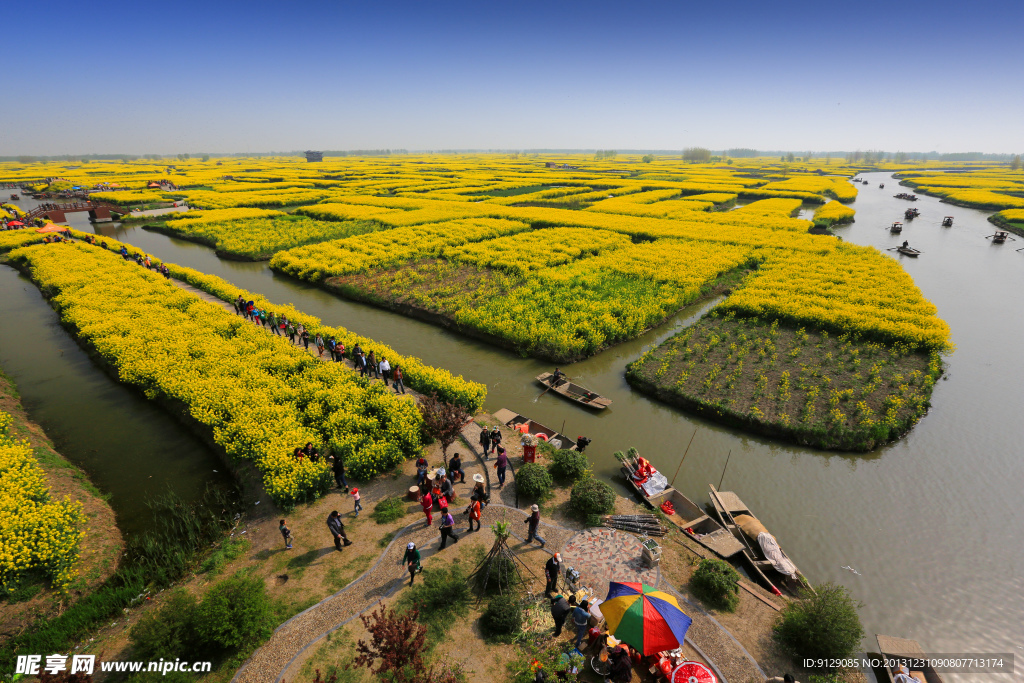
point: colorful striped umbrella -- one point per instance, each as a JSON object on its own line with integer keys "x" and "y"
{"x": 649, "y": 620}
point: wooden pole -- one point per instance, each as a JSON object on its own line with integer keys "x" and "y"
{"x": 673, "y": 482}
{"x": 724, "y": 469}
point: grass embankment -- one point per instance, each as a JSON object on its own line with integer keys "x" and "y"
{"x": 31, "y": 598}
{"x": 1010, "y": 219}
{"x": 817, "y": 389}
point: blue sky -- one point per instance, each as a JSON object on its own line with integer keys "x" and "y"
{"x": 137, "y": 77}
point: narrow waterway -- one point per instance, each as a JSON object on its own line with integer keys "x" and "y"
{"x": 130, "y": 447}
{"x": 926, "y": 532}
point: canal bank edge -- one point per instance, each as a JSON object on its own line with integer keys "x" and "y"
{"x": 102, "y": 545}
{"x": 244, "y": 473}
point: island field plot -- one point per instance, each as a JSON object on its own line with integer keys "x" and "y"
{"x": 556, "y": 258}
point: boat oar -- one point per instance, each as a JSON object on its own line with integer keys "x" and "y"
{"x": 550, "y": 387}
{"x": 673, "y": 482}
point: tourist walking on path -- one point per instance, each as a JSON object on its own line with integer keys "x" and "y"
{"x": 427, "y": 503}
{"x": 287, "y": 533}
{"x": 495, "y": 438}
{"x": 485, "y": 441}
{"x": 305, "y": 338}
{"x": 361, "y": 363}
{"x": 398, "y": 383}
{"x": 534, "y": 521}
{"x": 411, "y": 559}
{"x": 551, "y": 570}
{"x": 447, "y": 528}
{"x": 560, "y": 609}
{"x": 290, "y": 331}
{"x": 358, "y": 505}
{"x": 371, "y": 365}
{"x": 272, "y": 320}
{"x": 385, "y": 370}
{"x": 339, "y": 472}
{"x": 500, "y": 464}
{"x": 474, "y": 515}
{"x": 337, "y": 528}
{"x": 455, "y": 469}
{"x": 581, "y": 620}
{"x": 319, "y": 346}
{"x": 479, "y": 490}
{"x": 330, "y": 347}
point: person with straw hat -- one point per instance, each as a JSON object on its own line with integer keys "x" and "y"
{"x": 479, "y": 489}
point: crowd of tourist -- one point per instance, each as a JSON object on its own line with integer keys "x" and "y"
{"x": 366, "y": 364}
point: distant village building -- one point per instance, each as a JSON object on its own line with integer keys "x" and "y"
{"x": 314, "y": 156}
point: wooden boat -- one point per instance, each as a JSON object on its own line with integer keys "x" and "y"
{"x": 15, "y": 197}
{"x": 727, "y": 506}
{"x": 892, "y": 648}
{"x": 690, "y": 519}
{"x": 947, "y": 222}
{"x": 908, "y": 251}
{"x": 865, "y": 182}
{"x": 513, "y": 420}
{"x": 574, "y": 392}
{"x": 896, "y": 227}
{"x": 999, "y": 237}
{"x": 910, "y": 214}
{"x": 881, "y": 185}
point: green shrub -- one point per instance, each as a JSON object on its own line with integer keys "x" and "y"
{"x": 234, "y": 613}
{"x": 388, "y": 510}
{"x": 503, "y": 617}
{"x": 716, "y": 583}
{"x": 168, "y": 632}
{"x": 533, "y": 481}
{"x": 821, "y": 625}
{"x": 441, "y": 597}
{"x": 591, "y": 497}
{"x": 569, "y": 466}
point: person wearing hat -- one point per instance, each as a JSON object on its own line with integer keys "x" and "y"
{"x": 455, "y": 469}
{"x": 474, "y": 514}
{"x": 411, "y": 559}
{"x": 355, "y": 497}
{"x": 560, "y": 609}
{"x": 619, "y": 664}
{"x": 534, "y": 522}
{"x": 495, "y": 438}
{"x": 479, "y": 489}
{"x": 551, "y": 570}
